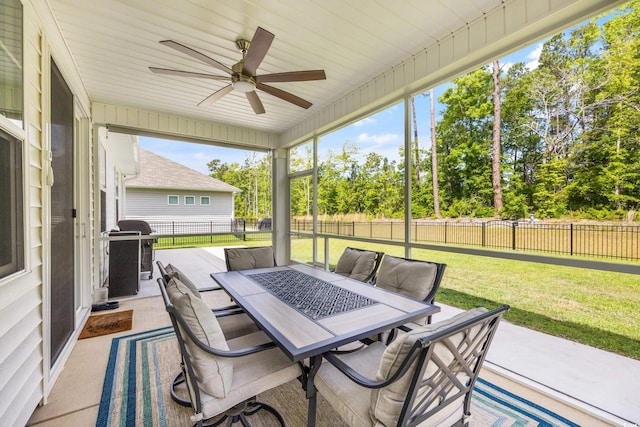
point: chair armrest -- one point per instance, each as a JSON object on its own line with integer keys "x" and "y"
{"x": 215, "y": 351}
{"x": 213, "y": 288}
{"x": 227, "y": 311}
{"x": 356, "y": 377}
{"x": 352, "y": 374}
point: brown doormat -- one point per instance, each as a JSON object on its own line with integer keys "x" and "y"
{"x": 103, "y": 324}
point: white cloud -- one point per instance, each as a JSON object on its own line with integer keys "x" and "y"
{"x": 379, "y": 139}
{"x": 533, "y": 57}
{"x": 365, "y": 121}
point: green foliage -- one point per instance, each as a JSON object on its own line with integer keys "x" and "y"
{"x": 253, "y": 178}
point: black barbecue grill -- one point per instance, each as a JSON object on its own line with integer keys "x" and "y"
{"x": 146, "y": 245}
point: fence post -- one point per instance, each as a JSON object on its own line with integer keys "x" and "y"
{"x": 371, "y": 230}
{"x": 211, "y": 231}
{"x": 484, "y": 234}
{"x": 514, "y": 224}
{"x": 571, "y": 239}
{"x": 244, "y": 229}
{"x": 173, "y": 232}
{"x": 353, "y": 228}
{"x": 445, "y": 232}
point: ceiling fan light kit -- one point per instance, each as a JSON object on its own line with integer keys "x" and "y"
{"x": 242, "y": 75}
{"x": 243, "y": 84}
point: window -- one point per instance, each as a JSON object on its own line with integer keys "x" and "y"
{"x": 11, "y": 64}
{"x": 190, "y": 200}
{"x": 11, "y": 208}
{"x": 173, "y": 200}
{"x": 205, "y": 201}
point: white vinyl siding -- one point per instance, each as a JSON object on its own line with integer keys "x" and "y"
{"x": 151, "y": 203}
{"x": 21, "y": 304}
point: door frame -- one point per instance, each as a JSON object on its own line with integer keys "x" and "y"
{"x": 82, "y": 187}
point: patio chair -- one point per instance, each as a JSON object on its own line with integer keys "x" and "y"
{"x": 248, "y": 258}
{"x": 359, "y": 264}
{"x": 171, "y": 271}
{"x": 425, "y": 377}
{"x": 223, "y": 377}
{"x": 411, "y": 277}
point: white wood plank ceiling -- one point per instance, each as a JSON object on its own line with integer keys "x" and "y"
{"x": 113, "y": 42}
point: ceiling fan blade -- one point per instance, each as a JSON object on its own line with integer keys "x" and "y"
{"x": 215, "y": 96}
{"x": 255, "y": 102}
{"x": 292, "y": 76}
{"x": 289, "y": 97}
{"x": 197, "y": 55}
{"x": 169, "y": 72}
{"x": 258, "y": 48}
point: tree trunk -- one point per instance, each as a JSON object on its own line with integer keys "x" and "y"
{"x": 434, "y": 156}
{"x": 496, "y": 149}
{"x": 415, "y": 137}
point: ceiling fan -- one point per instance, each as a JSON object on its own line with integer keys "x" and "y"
{"x": 242, "y": 75}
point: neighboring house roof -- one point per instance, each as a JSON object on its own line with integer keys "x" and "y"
{"x": 159, "y": 172}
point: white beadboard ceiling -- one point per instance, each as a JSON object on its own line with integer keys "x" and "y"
{"x": 113, "y": 42}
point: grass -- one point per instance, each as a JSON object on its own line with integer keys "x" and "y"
{"x": 596, "y": 308}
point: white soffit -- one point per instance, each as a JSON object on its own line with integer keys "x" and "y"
{"x": 372, "y": 52}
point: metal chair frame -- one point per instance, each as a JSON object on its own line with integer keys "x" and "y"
{"x": 423, "y": 393}
{"x": 238, "y": 412}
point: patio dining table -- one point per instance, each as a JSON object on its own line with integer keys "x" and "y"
{"x": 308, "y": 312}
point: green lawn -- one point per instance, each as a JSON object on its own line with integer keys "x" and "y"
{"x": 597, "y": 308}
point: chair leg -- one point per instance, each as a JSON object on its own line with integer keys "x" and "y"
{"x": 240, "y": 412}
{"x": 179, "y": 380}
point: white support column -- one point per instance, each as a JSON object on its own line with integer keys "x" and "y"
{"x": 281, "y": 221}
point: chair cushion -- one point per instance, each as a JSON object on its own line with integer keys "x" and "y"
{"x": 349, "y": 399}
{"x": 411, "y": 278}
{"x": 214, "y": 374}
{"x": 356, "y": 264}
{"x": 173, "y": 271}
{"x": 247, "y": 258}
{"x": 386, "y": 403}
{"x": 252, "y": 374}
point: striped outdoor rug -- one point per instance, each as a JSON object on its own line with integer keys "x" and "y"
{"x": 141, "y": 366}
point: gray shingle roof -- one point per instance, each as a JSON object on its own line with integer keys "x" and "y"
{"x": 159, "y": 172}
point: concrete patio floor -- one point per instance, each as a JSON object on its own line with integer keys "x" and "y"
{"x": 588, "y": 386}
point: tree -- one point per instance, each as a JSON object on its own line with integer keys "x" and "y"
{"x": 434, "y": 155}
{"x": 464, "y": 135}
{"x": 496, "y": 147}
{"x": 416, "y": 164}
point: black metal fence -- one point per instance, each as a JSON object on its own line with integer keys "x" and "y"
{"x": 591, "y": 240}
{"x": 197, "y": 233}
